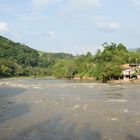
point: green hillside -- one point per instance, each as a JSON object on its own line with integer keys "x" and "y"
{"x": 21, "y": 54}
{"x": 17, "y": 59}
{"x": 49, "y": 59}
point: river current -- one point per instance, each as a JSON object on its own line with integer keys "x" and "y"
{"x": 49, "y": 109}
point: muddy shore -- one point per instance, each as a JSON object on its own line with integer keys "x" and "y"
{"x": 127, "y": 81}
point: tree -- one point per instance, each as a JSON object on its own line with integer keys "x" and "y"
{"x": 108, "y": 71}
{"x": 121, "y": 47}
{"x": 22, "y": 54}
{"x": 109, "y": 60}
{"x": 9, "y": 68}
{"x": 64, "y": 69}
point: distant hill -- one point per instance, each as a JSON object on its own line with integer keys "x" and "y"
{"x": 17, "y": 59}
{"x": 60, "y": 55}
{"x": 49, "y": 59}
{"x": 22, "y": 54}
{"x": 137, "y": 50}
{"x": 132, "y": 49}
{"x": 28, "y": 57}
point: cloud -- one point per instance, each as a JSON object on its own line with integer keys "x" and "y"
{"x": 6, "y": 8}
{"x": 77, "y": 11}
{"x": 41, "y": 4}
{"x": 32, "y": 16}
{"x": 101, "y": 23}
{"x": 51, "y": 34}
{"x": 3, "y": 27}
{"x": 113, "y": 25}
{"x": 85, "y": 3}
{"x": 136, "y": 3}
{"x": 36, "y": 10}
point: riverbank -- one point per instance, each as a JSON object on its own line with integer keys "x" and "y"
{"x": 86, "y": 79}
{"x": 28, "y": 77}
{"x": 126, "y": 81}
{"x": 121, "y": 81}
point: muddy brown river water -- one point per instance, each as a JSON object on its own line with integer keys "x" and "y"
{"x": 49, "y": 109}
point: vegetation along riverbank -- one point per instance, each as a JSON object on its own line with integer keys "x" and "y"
{"x": 114, "y": 62}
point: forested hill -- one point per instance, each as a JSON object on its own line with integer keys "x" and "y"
{"x": 28, "y": 57}
{"x": 20, "y": 60}
{"x": 49, "y": 59}
{"x": 22, "y": 54}
{"x": 17, "y": 59}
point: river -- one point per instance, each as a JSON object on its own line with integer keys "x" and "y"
{"x": 49, "y": 109}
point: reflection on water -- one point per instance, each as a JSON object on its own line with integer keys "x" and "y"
{"x": 40, "y": 109}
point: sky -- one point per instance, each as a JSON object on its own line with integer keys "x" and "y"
{"x": 71, "y": 26}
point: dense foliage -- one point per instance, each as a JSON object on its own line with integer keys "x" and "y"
{"x": 24, "y": 55}
{"x": 104, "y": 65}
{"x": 17, "y": 59}
{"x": 49, "y": 59}
{"x": 20, "y": 60}
{"x": 65, "y": 69}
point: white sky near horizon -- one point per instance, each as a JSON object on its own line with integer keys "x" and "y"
{"x": 71, "y": 26}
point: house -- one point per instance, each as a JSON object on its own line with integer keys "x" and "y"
{"x": 130, "y": 71}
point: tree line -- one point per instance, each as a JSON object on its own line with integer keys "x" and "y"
{"x": 104, "y": 65}
{"x": 17, "y": 59}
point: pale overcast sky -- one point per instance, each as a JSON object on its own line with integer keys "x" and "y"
{"x": 73, "y": 26}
